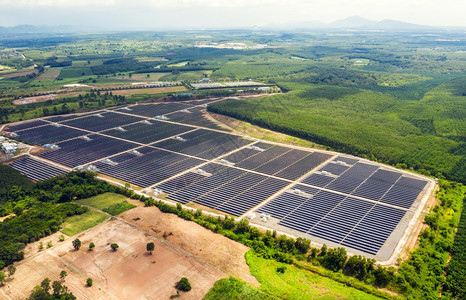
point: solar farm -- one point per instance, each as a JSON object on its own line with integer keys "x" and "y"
{"x": 176, "y": 152}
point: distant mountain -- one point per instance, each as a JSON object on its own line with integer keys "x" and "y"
{"x": 356, "y": 22}
{"x": 353, "y": 22}
{"x": 32, "y": 29}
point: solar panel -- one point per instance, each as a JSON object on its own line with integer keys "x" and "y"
{"x": 352, "y": 178}
{"x": 374, "y": 229}
{"x": 153, "y": 109}
{"x": 404, "y": 192}
{"x": 148, "y": 167}
{"x": 377, "y": 185}
{"x": 26, "y": 125}
{"x": 101, "y": 121}
{"x": 36, "y": 169}
{"x": 147, "y": 131}
{"x": 49, "y": 134}
{"x": 304, "y": 217}
{"x": 80, "y": 151}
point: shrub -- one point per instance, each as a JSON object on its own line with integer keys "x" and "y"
{"x": 183, "y": 284}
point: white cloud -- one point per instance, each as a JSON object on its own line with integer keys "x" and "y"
{"x": 55, "y": 3}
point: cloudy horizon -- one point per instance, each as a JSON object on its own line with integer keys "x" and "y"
{"x": 222, "y": 14}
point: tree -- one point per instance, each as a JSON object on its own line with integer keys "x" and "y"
{"x": 323, "y": 250}
{"x": 183, "y": 284}
{"x": 2, "y": 277}
{"x": 242, "y": 226}
{"x": 91, "y": 246}
{"x": 150, "y": 247}
{"x": 335, "y": 259}
{"x": 45, "y": 284}
{"x": 302, "y": 245}
{"x": 89, "y": 282}
{"x": 11, "y": 270}
{"x": 114, "y": 246}
{"x": 76, "y": 244}
{"x": 63, "y": 275}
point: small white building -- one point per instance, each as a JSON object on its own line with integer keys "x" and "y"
{"x": 9, "y": 147}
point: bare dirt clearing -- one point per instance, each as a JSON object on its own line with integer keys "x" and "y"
{"x": 222, "y": 253}
{"x": 128, "y": 273}
{"x": 150, "y": 91}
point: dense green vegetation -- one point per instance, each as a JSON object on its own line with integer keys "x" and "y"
{"x": 456, "y": 270}
{"x": 39, "y": 220}
{"x": 426, "y": 135}
{"x": 38, "y": 210}
{"x": 422, "y": 275}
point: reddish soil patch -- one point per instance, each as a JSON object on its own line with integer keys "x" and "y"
{"x": 128, "y": 273}
{"x": 214, "y": 249}
{"x": 20, "y": 73}
{"x": 43, "y": 98}
{"x": 150, "y": 91}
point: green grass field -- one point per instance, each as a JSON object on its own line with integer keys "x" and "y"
{"x": 298, "y": 284}
{"x": 235, "y": 289}
{"x": 76, "y": 224}
{"x": 111, "y": 203}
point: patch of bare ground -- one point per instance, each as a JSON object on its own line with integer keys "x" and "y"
{"x": 43, "y": 98}
{"x": 224, "y": 254}
{"x": 128, "y": 273}
{"x": 249, "y": 129}
{"x": 413, "y": 241}
{"x": 149, "y": 91}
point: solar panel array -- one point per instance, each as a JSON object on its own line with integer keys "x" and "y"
{"x": 227, "y": 189}
{"x": 36, "y": 169}
{"x": 147, "y": 131}
{"x": 345, "y": 220}
{"x": 146, "y": 166}
{"x": 204, "y": 143}
{"x": 155, "y": 109}
{"x": 49, "y": 134}
{"x": 101, "y": 121}
{"x": 193, "y": 116}
{"x": 26, "y": 125}
{"x": 346, "y": 201}
{"x": 350, "y": 211}
{"x": 80, "y": 151}
{"x": 276, "y": 160}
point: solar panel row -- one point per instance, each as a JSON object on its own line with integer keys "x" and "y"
{"x": 80, "y": 151}
{"x": 101, "y": 121}
{"x": 193, "y": 116}
{"x": 276, "y": 160}
{"x": 49, "y": 134}
{"x": 341, "y": 219}
{"x": 227, "y": 189}
{"x": 204, "y": 143}
{"x": 36, "y": 169}
{"x": 147, "y": 131}
{"x": 152, "y": 110}
{"x": 147, "y": 167}
{"x": 26, "y": 125}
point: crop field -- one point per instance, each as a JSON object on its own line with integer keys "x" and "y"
{"x": 334, "y": 199}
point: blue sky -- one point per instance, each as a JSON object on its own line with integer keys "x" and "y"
{"x": 206, "y": 14}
